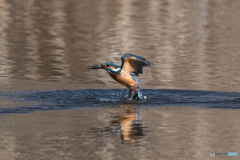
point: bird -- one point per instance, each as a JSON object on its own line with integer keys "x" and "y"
{"x": 132, "y": 66}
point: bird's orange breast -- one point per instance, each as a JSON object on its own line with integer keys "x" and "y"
{"x": 124, "y": 79}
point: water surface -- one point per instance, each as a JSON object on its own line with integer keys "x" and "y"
{"x": 115, "y": 132}
{"x": 53, "y": 107}
{"x": 100, "y": 98}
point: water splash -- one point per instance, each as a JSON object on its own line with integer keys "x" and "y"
{"x": 149, "y": 71}
{"x": 121, "y": 91}
{"x": 130, "y": 94}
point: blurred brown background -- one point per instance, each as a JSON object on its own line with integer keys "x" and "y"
{"x": 193, "y": 44}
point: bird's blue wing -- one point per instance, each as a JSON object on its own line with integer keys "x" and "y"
{"x": 134, "y": 63}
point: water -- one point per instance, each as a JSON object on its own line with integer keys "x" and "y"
{"x": 104, "y": 124}
{"x": 98, "y": 98}
{"x": 54, "y": 107}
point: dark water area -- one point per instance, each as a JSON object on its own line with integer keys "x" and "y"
{"x": 53, "y": 107}
{"x": 98, "y": 98}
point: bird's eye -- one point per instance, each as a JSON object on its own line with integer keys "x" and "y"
{"x": 104, "y": 65}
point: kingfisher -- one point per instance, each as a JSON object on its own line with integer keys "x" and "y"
{"x": 132, "y": 66}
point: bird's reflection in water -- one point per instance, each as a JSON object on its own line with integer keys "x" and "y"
{"x": 128, "y": 125}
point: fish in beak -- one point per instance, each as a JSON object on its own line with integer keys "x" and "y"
{"x": 95, "y": 67}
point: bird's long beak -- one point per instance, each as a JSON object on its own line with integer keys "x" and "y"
{"x": 95, "y": 67}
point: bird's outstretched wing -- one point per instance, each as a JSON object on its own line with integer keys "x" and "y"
{"x": 134, "y": 64}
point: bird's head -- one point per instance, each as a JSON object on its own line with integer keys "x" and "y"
{"x": 109, "y": 67}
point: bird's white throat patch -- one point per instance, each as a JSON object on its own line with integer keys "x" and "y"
{"x": 116, "y": 70}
